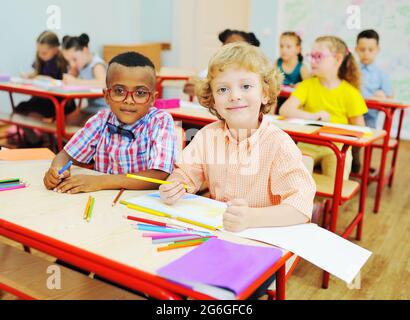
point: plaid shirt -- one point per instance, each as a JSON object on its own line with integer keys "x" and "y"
{"x": 153, "y": 146}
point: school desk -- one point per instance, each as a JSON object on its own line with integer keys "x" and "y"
{"x": 197, "y": 115}
{"x": 108, "y": 245}
{"x": 59, "y": 129}
{"x": 388, "y": 108}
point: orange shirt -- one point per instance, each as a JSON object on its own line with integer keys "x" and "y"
{"x": 265, "y": 169}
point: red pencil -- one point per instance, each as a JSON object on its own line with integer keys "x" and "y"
{"x": 156, "y": 223}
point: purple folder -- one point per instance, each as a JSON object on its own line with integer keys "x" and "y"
{"x": 222, "y": 264}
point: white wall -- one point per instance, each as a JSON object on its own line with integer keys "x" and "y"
{"x": 21, "y": 21}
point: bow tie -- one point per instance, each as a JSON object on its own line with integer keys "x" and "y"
{"x": 124, "y": 132}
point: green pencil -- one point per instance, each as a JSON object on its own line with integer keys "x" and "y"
{"x": 90, "y": 210}
{"x": 10, "y": 180}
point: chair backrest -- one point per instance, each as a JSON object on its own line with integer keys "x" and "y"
{"x": 308, "y": 162}
{"x": 181, "y": 140}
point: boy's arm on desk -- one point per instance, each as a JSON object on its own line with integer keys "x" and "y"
{"x": 89, "y": 183}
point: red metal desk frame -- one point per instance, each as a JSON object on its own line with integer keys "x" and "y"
{"x": 133, "y": 278}
{"x": 388, "y": 108}
{"x": 59, "y": 106}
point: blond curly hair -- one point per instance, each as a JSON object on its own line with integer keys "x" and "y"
{"x": 248, "y": 57}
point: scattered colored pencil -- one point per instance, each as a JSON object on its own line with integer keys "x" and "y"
{"x": 10, "y": 180}
{"x": 203, "y": 239}
{"x": 10, "y": 184}
{"x": 173, "y": 239}
{"x": 173, "y": 235}
{"x": 13, "y": 188}
{"x": 90, "y": 211}
{"x": 156, "y": 223}
{"x": 163, "y": 224}
{"x": 87, "y": 207}
{"x": 183, "y": 245}
{"x": 117, "y": 197}
{"x": 133, "y": 176}
{"x": 147, "y": 227}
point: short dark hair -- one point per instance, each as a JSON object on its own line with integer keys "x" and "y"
{"x": 78, "y": 43}
{"x": 131, "y": 59}
{"x": 368, "y": 34}
{"x": 249, "y": 37}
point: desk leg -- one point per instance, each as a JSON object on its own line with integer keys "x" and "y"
{"x": 363, "y": 191}
{"x": 385, "y": 150}
{"x": 281, "y": 283}
{"x": 13, "y": 108}
{"x": 337, "y": 194}
{"x": 60, "y": 122}
{"x": 396, "y": 149}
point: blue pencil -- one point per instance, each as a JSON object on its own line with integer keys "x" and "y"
{"x": 12, "y": 184}
{"x": 67, "y": 165}
{"x": 148, "y": 227}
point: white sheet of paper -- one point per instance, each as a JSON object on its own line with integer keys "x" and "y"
{"x": 319, "y": 246}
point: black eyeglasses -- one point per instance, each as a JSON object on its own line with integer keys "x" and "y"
{"x": 113, "y": 129}
{"x": 139, "y": 95}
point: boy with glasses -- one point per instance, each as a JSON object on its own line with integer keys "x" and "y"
{"x": 131, "y": 137}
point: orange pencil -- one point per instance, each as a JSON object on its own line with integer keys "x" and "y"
{"x": 177, "y": 246}
{"x": 87, "y": 207}
{"x": 117, "y": 197}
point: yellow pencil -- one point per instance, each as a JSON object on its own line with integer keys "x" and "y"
{"x": 199, "y": 224}
{"x": 86, "y": 208}
{"x": 146, "y": 210}
{"x": 90, "y": 210}
{"x": 133, "y": 176}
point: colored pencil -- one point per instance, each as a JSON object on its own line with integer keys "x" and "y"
{"x": 66, "y": 166}
{"x": 10, "y": 184}
{"x": 13, "y": 188}
{"x": 177, "y": 246}
{"x": 203, "y": 239}
{"x": 90, "y": 211}
{"x": 86, "y": 208}
{"x": 172, "y": 235}
{"x": 133, "y": 176}
{"x": 157, "y": 229}
{"x": 156, "y": 223}
{"x": 184, "y": 238}
{"x": 163, "y": 224}
{"x": 10, "y": 180}
{"x": 117, "y": 197}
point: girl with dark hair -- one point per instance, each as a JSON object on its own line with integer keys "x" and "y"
{"x": 49, "y": 64}
{"x": 290, "y": 62}
{"x": 86, "y": 69}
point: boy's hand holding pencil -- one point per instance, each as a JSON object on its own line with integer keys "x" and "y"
{"x": 53, "y": 178}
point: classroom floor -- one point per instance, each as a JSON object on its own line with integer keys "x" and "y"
{"x": 387, "y": 234}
